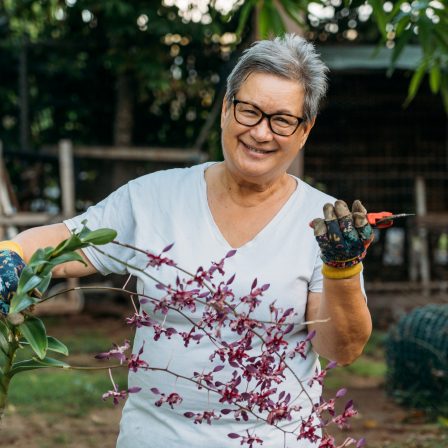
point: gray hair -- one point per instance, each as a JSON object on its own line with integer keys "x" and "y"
{"x": 290, "y": 57}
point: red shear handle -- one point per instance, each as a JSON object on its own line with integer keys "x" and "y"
{"x": 373, "y": 218}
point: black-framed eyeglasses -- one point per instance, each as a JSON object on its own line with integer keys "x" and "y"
{"x": 249, "y": 115}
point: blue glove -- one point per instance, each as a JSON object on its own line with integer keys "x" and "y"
{"x": 11, "y": 265}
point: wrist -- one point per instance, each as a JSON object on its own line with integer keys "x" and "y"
{"x": 341, "y": 273}
{"x": 12, "y": 246}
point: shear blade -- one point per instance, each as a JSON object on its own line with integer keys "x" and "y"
{"x": 393, "y": 217}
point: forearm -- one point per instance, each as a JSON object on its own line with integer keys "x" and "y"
{"x": 39, "y": 237}
{"x": 348, "y": 329}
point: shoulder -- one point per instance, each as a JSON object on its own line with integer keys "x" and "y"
{"x": 168, "y": 180}
{"x": 314, "y": 197}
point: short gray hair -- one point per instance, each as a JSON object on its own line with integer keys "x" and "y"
{"x": 290, "y": 57}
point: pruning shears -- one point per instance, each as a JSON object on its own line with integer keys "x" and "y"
{"x": 383, "y": 220}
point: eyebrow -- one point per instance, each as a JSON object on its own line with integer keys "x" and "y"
{"x": 280, "y": 112}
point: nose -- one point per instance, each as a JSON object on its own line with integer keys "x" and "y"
{"x": 262, "y": 131}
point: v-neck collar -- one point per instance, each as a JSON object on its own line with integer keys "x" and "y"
{"x": 265, "y": 230}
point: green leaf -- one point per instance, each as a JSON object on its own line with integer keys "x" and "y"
{"x": 66, "y": 257}
{"x": 397, "y": 8}
{"x": 4, "y": 336}
{"x": 21, "y": 302}
{"x": 425, "y": 27}
{"x": 38, "y": 266}
{"x": 442, "y": 39}
{"x": 398, "y": 49}
{"x": 60, "y": 259}
{"x": 33, "y": 330}
{"x": 380, "y": 16}
{"x": 41, "y": 256}
{"x": 43, "y": 285}
{"x": 27, "y": 281}
{"x": 415, "y": 82}
{"x": 4, "y": 329}
{"x": 84, "y": 231}
{"x": 293, "y": 11}
{"x": 31, "y": 364}
{"x": 276, "y": 25}
{"x": 55, "y": 345}
{"x": 61, "y": 246}
{"x": 100, "y": 236}
{"x": 70, "y": 244}
{"x": 435, "y": 76}
{"x": 263, "y": 22}
{"x": 401, "y": 27}
{"x": 244, "y": 16}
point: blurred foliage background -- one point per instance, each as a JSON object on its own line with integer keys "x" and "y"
{"x": 106, "y": 72}
{"x": 147, "y": 72}
{"x": 151, "y": 73}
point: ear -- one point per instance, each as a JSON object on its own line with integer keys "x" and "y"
{"x": 223, "y": 111}
{"x": 306, "y": 129}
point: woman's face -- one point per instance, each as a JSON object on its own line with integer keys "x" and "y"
{"x": 256, "y": 154}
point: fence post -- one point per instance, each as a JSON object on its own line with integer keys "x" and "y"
{"x": 2, "y": 211}
{"x": 67, "y": 178}
{"x": 422, "y": 235}
{"x": 67, "y": 181}
{"x": 6, "y": 207}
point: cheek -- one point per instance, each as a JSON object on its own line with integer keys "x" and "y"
{"x": 230, "y": 131}
{"x": 300, "y": 140}
{"x": 227, "y": 138}
{"x": 292, "y": 146}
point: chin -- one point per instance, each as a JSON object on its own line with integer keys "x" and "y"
{"x": 255, "y": 170}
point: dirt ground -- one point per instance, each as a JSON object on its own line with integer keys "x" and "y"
{"x": 48, "y": 431}
{"x": 384, "y": 424}
{"x": 380, "y": 421}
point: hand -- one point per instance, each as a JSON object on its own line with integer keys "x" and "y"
{"x": 343, "y": 237}
{"x": 11, "y": 265}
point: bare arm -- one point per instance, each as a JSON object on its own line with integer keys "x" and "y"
{"x": 52, "y": 235}
{"x": 344, "y": 336}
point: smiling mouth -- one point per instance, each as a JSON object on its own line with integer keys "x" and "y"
{"x": 259, "y": 151}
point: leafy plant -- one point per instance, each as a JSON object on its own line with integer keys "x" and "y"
{"x": 20, "y": 328}
{"x": 262, "y": 399}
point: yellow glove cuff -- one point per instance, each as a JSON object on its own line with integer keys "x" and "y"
{"x": 12, "y": 245}
{"x": 338, "y": 273}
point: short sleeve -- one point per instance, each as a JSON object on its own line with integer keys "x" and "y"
{"x": 115, "y": 212}
{"x": 316, "y": 281}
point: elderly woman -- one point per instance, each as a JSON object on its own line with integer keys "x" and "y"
{"x": 249, "y": 203}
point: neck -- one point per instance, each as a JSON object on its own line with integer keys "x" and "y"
{"x": 250, "y": 193}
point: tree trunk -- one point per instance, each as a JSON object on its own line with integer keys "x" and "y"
{"x": 123, "y": 127}
{"x": 124, "y": 119}
{"x": 23, "y": 97}
{"x": 112, "y": 174}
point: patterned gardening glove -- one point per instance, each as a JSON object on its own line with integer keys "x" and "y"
{"x": 343, "y": 238}
{"x": 11, "y": 265}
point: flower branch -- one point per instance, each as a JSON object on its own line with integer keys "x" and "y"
{"x": 220, "y": 309}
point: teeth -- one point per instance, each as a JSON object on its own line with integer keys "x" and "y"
{"x": 259, "y": 151}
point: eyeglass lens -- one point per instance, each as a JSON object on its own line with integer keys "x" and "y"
{"x": 249, "y": 115}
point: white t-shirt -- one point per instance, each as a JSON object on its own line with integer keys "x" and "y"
{"x": 171, "y": 206}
